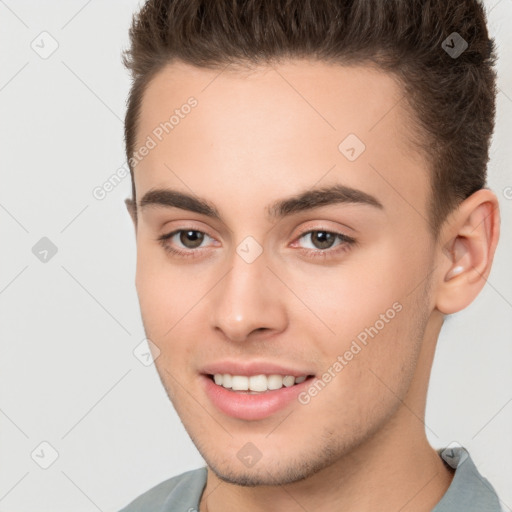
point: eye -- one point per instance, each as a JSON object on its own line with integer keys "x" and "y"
{"x": 323, "y": 241}
{"x": 189, "y": 239}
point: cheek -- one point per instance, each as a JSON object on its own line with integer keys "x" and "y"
{"x": 352, "y": 295}
{"x": 375, "y": 309}
{"x": 155, "y": 304}
{"x": 172, "y": 300}
{"x": 358, "y": 293}
{"x": 369, "y": 367}
{"x": 165, "y": 294}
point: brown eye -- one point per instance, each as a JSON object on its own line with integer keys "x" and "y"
{"x": 185, "y": 243}
{"x": 321, "y": 243}
{"x": 323, "y": 239}
{"x": 191, "y": 239}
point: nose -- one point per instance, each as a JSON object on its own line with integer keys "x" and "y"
{"x": 249, "y": 302}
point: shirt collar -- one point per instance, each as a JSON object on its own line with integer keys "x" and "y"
{"x": 469, "y": 490}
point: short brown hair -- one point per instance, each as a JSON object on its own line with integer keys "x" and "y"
{"x": 452, "y": 98}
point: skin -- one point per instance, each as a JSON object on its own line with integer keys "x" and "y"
{"x": 254, "y": 138}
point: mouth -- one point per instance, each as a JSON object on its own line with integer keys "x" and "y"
{"x": 256, "y": 384}
{"x": 254, "y": 397}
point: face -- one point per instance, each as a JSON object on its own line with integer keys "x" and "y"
{"x": 249, "y": 280}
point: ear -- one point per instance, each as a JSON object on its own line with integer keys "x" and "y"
{"x": 131, "y": 206}
{"x": 468, "y": 243}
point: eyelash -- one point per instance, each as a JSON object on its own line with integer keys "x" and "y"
{"x": 347, "y": 243}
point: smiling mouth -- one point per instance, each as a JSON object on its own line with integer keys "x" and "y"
{"x": 256, "y": 384}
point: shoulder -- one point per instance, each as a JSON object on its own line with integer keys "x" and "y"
{"x": 182, "y": 491}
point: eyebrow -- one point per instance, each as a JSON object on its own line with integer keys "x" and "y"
{"x": 303, "y": 201}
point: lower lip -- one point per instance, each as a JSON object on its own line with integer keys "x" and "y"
{"x": 246, "y": 406}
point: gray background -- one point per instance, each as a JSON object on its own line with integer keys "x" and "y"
{"x": 69, "y": 326}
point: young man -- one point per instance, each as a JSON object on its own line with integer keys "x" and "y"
{"x": 309, "y": 203}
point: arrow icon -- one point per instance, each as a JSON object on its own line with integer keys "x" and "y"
{"x": 454, "y": 45}
{"x": 351, "y": 147}
{"x": 249, "y": 249}
{"x": 44, "y": 250}
{"x": 44, "y": 455}
{"x": 454, "y": 454}
{"x": 44, "y": 44}
{"x": 145, "y": 356}
{"x": 249, "y": 455}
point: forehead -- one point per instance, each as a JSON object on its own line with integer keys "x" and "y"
{"x": 288, "y": 125}
{"x": 326, "y": 97}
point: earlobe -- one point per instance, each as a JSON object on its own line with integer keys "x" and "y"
{"x": 469, "y": 242}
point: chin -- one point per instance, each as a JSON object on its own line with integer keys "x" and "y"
{"x": 262, "y": 476}
{"x": 269, "y": 471}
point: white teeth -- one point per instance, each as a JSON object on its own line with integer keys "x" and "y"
{"x": 239, "y": 383}
{"x": 288, "y": 381}
{"x": 256, "y": 383}
{"x": 226, "y": 380}
{"x": 274, "y": 382}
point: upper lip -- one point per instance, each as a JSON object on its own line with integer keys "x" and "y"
{"x": 252, "y": 368}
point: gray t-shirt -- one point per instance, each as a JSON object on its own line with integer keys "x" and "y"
{"x": 468, "y": 492}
